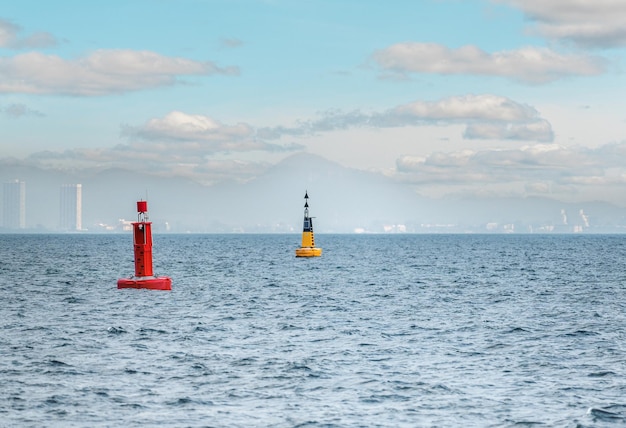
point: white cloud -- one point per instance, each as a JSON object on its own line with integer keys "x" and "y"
{"x": 180, "y": 126}
{"x": 201, "y": 134}
{"x": 536, "y": 168}
{"x": 9, "y": 38}
{"x": 538, "y": 130}
{"x": 100, "y": 73}
{"x": 468, "y": 107}
{"x": 486, "y": 116}
{"x": 197, "y": 147}
{"x": 530, "y": 65}
{"x": 531, "y": 170}
{"x": 597, "y": 23}
{"x": 231, "y": 43}
{"x": 182, "y": 143}
{"x": 19, "y": 110}
{"x": 150, "y": 161}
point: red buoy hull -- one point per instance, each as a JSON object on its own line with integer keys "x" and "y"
{"x": 151, "y": 283}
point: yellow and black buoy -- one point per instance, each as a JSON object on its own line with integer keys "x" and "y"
{"x": 308, "y": 249}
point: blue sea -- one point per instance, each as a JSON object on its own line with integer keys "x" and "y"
{"x": 381, "y": 331}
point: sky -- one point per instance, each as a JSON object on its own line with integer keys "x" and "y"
{"x": 487, "y": 98}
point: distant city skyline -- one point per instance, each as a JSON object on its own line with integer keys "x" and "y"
{"x": 14, "y": 205}
{"x": 71, "y": 207}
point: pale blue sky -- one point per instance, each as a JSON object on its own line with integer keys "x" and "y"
{"x": 499, "y": 97}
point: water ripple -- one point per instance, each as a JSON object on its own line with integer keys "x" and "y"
{"x": 476, "y": 331}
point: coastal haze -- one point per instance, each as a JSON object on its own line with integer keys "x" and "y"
{"x": 343, "y": 200}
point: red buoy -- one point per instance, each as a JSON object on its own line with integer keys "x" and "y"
{"x": 142, "y": 238}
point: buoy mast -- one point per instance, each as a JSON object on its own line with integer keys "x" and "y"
{"x": 142, "y": 242}
{"x": 308, "y": 249}
{"x": 142, "y": 239}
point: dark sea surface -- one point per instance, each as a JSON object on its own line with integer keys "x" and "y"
{"x": 381, "y": 331}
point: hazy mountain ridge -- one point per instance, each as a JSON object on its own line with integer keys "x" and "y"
{"x": 342, "y": 200}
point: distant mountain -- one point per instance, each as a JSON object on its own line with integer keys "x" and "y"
{"x": 343, "y": 200}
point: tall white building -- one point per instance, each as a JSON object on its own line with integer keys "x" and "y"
{"x": 71, "y": 214}
{"x": 14, "y": 205}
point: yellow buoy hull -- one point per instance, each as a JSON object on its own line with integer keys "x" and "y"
{"x": 308, "y": 252}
